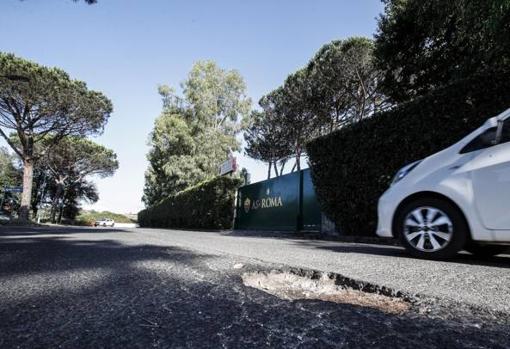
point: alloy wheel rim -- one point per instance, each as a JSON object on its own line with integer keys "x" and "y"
{"x": 428, "y": 229}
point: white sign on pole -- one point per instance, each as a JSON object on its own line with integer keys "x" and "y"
{"x": 228, "y": 166}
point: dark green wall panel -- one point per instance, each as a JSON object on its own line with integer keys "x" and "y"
{"x": 285, "y": 203}
{"x": 312, "y": 215}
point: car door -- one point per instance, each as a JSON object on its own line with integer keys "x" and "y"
{"x": 491, "y": 182}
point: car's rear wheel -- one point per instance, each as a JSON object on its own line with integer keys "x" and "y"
{"x": 431, "y": 228}
{"x": 486, "y": 251}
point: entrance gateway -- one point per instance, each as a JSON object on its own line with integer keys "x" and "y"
{"x": 285, "y": 203}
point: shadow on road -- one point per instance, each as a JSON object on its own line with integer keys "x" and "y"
{"x": 69, "y": 292}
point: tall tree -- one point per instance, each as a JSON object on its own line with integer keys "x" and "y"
{"x": 71, "y": 162}
{"x": 340, "y": 85}
{"x": 424, "y": 44}
{"x": 345, "y": 82}
{"x": 265, "y": 138}
{"x": 217, "y": 97}
{"x": 287, "y": 111}
{"x": 293, "y": 103}
{"x": 37, "y": 102}
{"x": 195, "y": 132}
{"x": 78, "y": 192}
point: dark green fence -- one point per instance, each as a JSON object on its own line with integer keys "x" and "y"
{"x": 286, "y": 203}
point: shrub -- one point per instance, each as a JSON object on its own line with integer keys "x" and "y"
{"x": 353, "y": 166}
{"x": 209, "y": 205}
{"x": 88, "y": 218}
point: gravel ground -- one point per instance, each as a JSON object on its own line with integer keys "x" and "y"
{"x": 78, "y": 287}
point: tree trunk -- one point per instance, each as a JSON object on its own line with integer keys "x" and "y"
{"x": 60, "y": 212}
{"x": 275, "y": 168}
{"x": 282, "y": 167}
{"x": 26, "y": 195}
{"x": 298, "y": 158}
{"x": 55, "y": 202}
{"x": 62, "y": 204}
{"x": 269, "y": 170}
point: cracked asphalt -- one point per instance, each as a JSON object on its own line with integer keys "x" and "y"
{"x": 141, "y": 288}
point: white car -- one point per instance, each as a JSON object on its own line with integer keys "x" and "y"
{"x": 458, "y": 198}
{"x": 105, "y": 222}
{"x": 4, "y": 217}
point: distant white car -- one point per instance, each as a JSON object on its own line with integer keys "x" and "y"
{"x": 105, "y": 222}
{"x": 4, "y": 217}
{"x": 458, "y": 198}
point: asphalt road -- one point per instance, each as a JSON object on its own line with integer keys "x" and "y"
{"x": 80, "y": 287}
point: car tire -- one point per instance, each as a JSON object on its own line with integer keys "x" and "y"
{"x": 486, "y": 251}
{"x": 431, "y": 228}
{"x": 113, "y": 224}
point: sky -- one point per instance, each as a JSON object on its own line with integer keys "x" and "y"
{"x": 126, "y": 48}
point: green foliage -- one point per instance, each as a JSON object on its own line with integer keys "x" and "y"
{"x": 10, "y": 174}
{"x": 74, "y": 196}
{"x": 208, "y": 205}
{"x": 345, "y": 82}
{"x": 353, "y": 166}
{"x": 88, "y": 218}
{"x": 77, "y": 158}
{"x": 340, "y": 85}
{"x": 63, "y": 172}
{"x": 265, "y": 138}
{"x": 194, "y": 134}
{"x": 37, "y": 102}
{"x": 424, "y": 44}
{"x": 217, "y": 97}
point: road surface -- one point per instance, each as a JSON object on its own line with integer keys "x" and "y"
{"x": 83, "y": 287}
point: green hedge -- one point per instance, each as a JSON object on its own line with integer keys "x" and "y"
{"x": 353, "y": 166}
{"x": 209, "y": 205}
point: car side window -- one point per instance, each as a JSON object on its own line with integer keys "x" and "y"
{"x": 505, "y": 135}
{"x": 482, "y": 141}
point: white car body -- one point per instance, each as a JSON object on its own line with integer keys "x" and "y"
{"x": 105, "y": 222}
{"x": 4, "y": 217}
{"x": 477, "y": 182}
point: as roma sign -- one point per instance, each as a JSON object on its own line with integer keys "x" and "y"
{"x": 268, "y": 202}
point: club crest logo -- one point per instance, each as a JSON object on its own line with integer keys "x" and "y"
{"x": 247, "y": 205}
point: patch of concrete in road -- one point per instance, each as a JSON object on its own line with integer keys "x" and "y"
{"x": 324, "y": 287}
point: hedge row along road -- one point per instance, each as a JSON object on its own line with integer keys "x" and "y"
{"x": 209, "y": 205}
{"x": 353, "y": 166}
